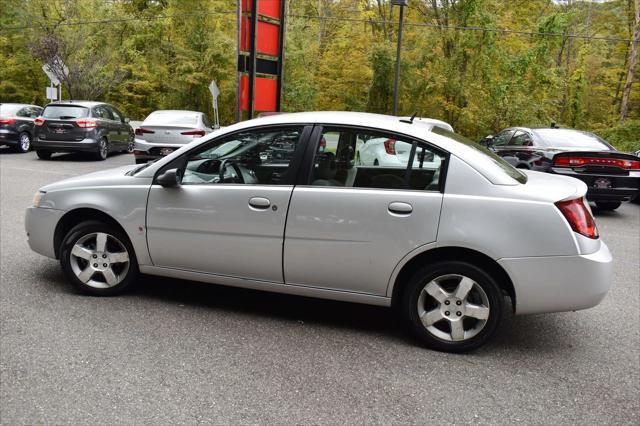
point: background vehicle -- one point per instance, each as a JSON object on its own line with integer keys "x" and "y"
{"x": 16, "y": 125}
{"x": 381, "y": 151}
{"x": 444, "y": 246}
{"x": 82, "y": 126}
{"x": 164, "y": 131}
{"x": 611, "y": 176}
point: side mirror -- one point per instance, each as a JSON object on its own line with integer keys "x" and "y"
{"x": 127, "y": 120}
{"x": 170, "y": 178}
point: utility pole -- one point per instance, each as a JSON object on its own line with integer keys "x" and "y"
{"x": 396, "y": 81}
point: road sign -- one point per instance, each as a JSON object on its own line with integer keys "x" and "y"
{"x": 52, "y": 76}
{"x": 215, "y": 92}
{"x": 52, "y": 93}
{"x": 213, "y": 88}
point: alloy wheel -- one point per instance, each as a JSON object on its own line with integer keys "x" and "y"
{"x": 453, "y": 307}
{"x": 103, "y": 149}
{"x": 25, "y": 142}
{"x": 99, "y": 260}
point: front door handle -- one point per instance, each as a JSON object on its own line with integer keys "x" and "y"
{"x": 259, "y": 203}
{"x": 398, "y": 207}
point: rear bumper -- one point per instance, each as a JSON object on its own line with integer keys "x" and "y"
{"x": 9, "y": 137}
{"x": 85, "y": 145}
{"x": 40, "y": 224}
{"x": 623, "y": 188}
{"x": 151, "y": 151}
{"x": 560, "y": 283}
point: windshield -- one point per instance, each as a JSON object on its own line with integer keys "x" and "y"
{"x": 166, "y": 117}
{"x": 566, "y": 138}
{"x": 488, "y": 155}
{"x": 8, "y": 110}
{"x": 65, "y": 112}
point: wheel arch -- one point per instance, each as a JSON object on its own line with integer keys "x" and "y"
{"x": 452, "y": 253}
{"x": 76, "y": 216}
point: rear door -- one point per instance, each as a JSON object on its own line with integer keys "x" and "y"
{"x": 122, "y": 128}
{"x": 349, "y": 225}
{"x": 228, "y": 215}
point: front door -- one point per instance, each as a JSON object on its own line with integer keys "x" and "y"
{"x": 228, "y": 215}
{"x": 352, "y": 222}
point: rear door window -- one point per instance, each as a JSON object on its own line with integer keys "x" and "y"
{"x": 502, "y": 138}
{"x": 521, "y": 139}
{"x": 65, "y": 112}
{"x": 355, "y": 158}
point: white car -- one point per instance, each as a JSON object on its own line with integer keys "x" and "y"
{"x": 391, "y": 153}
{"x": 164, "y": 131}
{"x": 271, "y": 204}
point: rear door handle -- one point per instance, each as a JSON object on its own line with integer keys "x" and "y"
{"x": 259, "y": 203}
{"x": 398, "y": 207}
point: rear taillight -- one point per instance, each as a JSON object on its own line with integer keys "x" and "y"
{"x": 390, "y": 146}
{"x": 579, "y": 217}
{"x": 195, "y": 133}
{"x": 140, "y": 131}
{"x": 569, "y": 161}
{"x": 39, "y": 121}
{"x": 9, "y": 120}
{"x": 86, "y": 124}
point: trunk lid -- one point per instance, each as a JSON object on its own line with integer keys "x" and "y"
{"x": 61, "y": 130}
{"x": 549, "y": 187}
{"x": 166, "y": 134}
{"x": 597, "y": 162}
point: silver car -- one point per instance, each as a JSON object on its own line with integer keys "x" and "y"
{"x": 164, "y": 131}
{"x": 263, "y": 204}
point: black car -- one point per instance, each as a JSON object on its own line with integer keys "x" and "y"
{"x": 16, "y": 125}
{"x": 81, "y": 126}
{"x": 611, "y": 176}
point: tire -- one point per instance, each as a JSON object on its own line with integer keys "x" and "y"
{"x": 376, "y": 162}
{"x": 103, "y": 150}
{"x": 130, "y": 147}
{"x": 83, "y": 260}
{"x": 608, "y": 205}
{"x": 24, "y": 143}
{"x": 478, "y": 313}
{"x": 43, "y": 155}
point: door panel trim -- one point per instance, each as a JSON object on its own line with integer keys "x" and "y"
{"x": 316, "y": 292}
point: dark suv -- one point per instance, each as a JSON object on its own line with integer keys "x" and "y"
{"x": 16, "y": 125}
{"x": 611, "y": 176}
{"x": 81, "y": 126}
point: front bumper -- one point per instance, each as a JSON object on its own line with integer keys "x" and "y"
{"x": 560, "y": 283}
{"x": 623, "y": 188}
{"x": 40, "y": 224}
{"x": 84, "y": 145}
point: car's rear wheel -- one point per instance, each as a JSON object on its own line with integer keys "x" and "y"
{"x": 24, "y": 142}
{"x": 98, "y": 259}
{"x": 43, "y": 155}
{"x": 608, "y": 205}
{"x": 452, "y": 306}
{"x": 103, "y": 150}
{"x": 131, "y": 146}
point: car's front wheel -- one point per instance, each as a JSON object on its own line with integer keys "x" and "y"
{"x": 98, "y": 259}
{"x": 608, "y": 205}
{"x": 24, "y": 142}
{"x": 452, "y": 306}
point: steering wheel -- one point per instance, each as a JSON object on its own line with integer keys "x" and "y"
{"x": 223, "y": 168}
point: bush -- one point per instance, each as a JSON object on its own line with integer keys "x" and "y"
{"x": 625, "y": 137}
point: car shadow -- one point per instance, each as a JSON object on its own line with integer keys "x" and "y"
{"x": 9, "y": 150}
{"x": 539, "y": 334}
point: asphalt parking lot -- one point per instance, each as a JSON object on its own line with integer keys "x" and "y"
{"x": 173, "y": 351}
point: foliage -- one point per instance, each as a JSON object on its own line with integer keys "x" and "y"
{"x": 625, "y": 137}
{"x": 144, "y": 55}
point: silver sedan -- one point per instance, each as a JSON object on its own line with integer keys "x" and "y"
{"x": 265, "y": 204}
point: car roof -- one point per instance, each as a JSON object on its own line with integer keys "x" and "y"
{"x": 175, "y": 111}
{"x": 384, "y": 123}
{"x": 19, "y": 104}
{"x": 87, "y": 104}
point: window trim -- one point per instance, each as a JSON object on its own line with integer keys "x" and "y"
{"x": 294, "y": 166}
{"x": 306, "y": 172}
